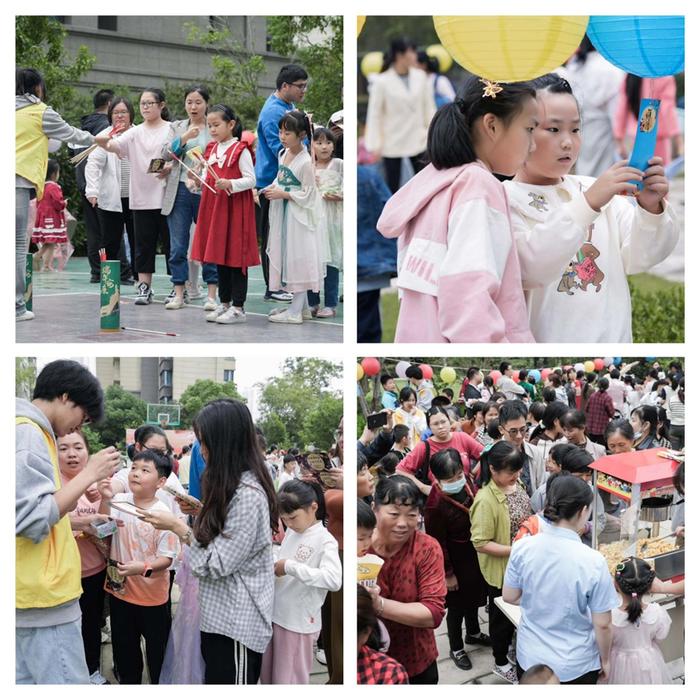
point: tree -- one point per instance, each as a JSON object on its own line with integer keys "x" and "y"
{"x": 92, "y": 437}
{"x": 322, "y": 421}
{"x": 316, "y": 42}
{"x": 274, "y": 431}
{"x": 294, "y": 395}
{"x": 123, "y": 410}
{"x": 25, "y": 377}
{"x": 200, "y": 393}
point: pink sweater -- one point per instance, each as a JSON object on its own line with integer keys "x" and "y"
{"x": 459, "y": 274}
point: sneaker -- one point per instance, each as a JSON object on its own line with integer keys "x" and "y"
{"x": 209, "y": 304}
{"x": 97, "y": 678}
{"x": 507, "y": 673}
{"x": 325, "y": 312}
{"x": 175, "y": 303}
{"x": 306, "y": 314}
{"x": 94, "y": 279}
{"x": 143, "y": 294}
{"x": 321, "y": 657}
{"x": 480, "y": 639}
{"x": 284, "y": 297}
{"x": 511, "y": 656}
{"x": 26, "y": 315}
{"x": 232, "y": 315}
{"x": 195, "y": 293}
{"x": 285, "y": 317}
{"x": 213, "y": 315}
{"x": 461, "y": 660}
{"x": 126, "y": 281}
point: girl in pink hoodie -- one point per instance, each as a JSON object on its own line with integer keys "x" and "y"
{"x": 459, "y": 276}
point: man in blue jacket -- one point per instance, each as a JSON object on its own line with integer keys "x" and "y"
{"x": 292, "y": 82}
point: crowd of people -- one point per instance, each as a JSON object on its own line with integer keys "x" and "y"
{"x": 487, "y": 495}
{"x": 255, "y": 551}
{"x": 270, "y": 197}
{"x": 493, "y": 207}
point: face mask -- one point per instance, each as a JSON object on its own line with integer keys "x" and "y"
{"x": 637, "y": 435}
{"x": 455, "y": 486}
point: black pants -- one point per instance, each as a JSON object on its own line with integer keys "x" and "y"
{"x": 150, "y": 226}
{"x": 262, "y": 215}
{"x": 222, "y": 656}
{"x": 369, "y": 322}
{"x": 677, "y": 435}
{"x": 130, "y": 623}
{"x": 455, "y": 615}
{"x": 332, "y": 634}
{"x": 92, "y": 235}
{"x": 233, "y": 285}
{"x": 392, "y": 169}
{"x": 590, "y": 678}
{"x": 500, "y": 628}
{"x": 428, "y": 677}
{"x": 112, "y": 225}
{"x": 91, "y": 606}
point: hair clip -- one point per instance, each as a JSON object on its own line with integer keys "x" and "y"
{"x": 634, "y": 594}
{"x": 461, "y": 105}
{"x": 491, "y": 88}
{"x": 620, "y": 567}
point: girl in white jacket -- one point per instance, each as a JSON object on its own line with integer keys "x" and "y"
{"x": 577, "y": 238}
{"x": 307, "y": 567}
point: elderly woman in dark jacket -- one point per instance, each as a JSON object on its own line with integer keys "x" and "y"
{"x": 447, "y": 520}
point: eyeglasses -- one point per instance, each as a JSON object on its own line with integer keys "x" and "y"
{"x": 302, "y": 86}
{"x": 149, "y": 104}
{"x": 514, "y": 432}
{"x": 121, "y": 114}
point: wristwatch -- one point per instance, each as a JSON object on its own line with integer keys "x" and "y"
{"x": 147, "y": 570}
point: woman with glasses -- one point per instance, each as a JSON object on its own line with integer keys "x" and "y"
{"x": 107, "y": 185}
{"x": 143, "y": 145}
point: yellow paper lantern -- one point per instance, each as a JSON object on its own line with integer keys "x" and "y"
{"x": 443, "y": 57}
{"x": 448, "y": 375}
{"x": 510, "y": 48}
{"x": 360, "y": 372}
{"x": 588, "y": 365}
{"x": 360, "y": 23}
{"x": 371, "y": 63}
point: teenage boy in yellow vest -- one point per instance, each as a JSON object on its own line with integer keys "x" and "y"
{"x": 48, "y": 640}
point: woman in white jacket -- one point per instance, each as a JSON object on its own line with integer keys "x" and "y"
{"x": 107, "y": 185}
{"x": 577, "y": 241}
{"x": 306, "y": 568}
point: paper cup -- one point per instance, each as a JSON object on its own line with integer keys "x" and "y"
{"x": 368, "y": 568}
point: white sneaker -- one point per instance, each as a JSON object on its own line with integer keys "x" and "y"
{"x": 306, "y": 314}
{"x": 210, "y": 304}
{"x": 213, "y": 315}
{"x": 194, "y": 292}
{"x": 285, "y": 317}
{"x": 232, "y": 315}
{"x": 321, "y": 657}
{"x": 26, "y": 316}
{"x": 175, "y": 303}
{"x": 97, "y": 678}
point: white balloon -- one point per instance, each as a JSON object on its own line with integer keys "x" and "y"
{"x": 579, "y": 367}
{"x": 401, "y": 368}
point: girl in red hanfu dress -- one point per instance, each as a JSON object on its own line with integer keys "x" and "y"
{"x": 226, "y": 233}
{"x": 50, "y": 224}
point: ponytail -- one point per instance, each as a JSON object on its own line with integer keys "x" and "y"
{"x": 500, "y": 456}
{"x": 229, "y": 116}
{"x": 566, "y": 496}
{"x": 297, "y": 494}
{"x": 634, "y": 578}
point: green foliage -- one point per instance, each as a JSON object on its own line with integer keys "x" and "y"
{"x": 202, "y": 392}
{"x": 25, "y": 377}
{"x": 316, "y": 42}
{"x": 274, "y": 431}
{"x": 92, "y": 437}
{"x": 235, "y": 73}
{"x": 658, "y": 316}
{"x": 321, "y": 422}
{"x": 299, "y": 392}
{"x": 123, "y": 410}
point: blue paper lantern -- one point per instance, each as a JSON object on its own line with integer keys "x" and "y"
{"x": 535, "y": 373}
{"x": 650, "y": 359}
{"x": 617, "y": 360}
{"x": 648, "y": 46}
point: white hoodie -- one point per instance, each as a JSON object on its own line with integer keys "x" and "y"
{"x": 574, "y": 260}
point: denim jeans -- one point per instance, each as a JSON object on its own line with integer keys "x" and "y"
{"x": 50, "y": 655}
{"x": 184, "y": 212}
{"x": 22, "y": 195}
{"x": 330, "y": 289}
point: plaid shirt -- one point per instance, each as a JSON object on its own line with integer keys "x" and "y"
{"x": 375, "y": 668}
{"x": 599, "y": 412}
{"x": 236, "y": 572}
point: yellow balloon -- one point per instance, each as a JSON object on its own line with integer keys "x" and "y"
{"x": 360, "y": 23}
{"x": 440, "y": 52}
{"x": 448, "y": 375}
{"x": 588, "y": 365}
{"x": 510, "y": 48}
{"x": 360, "y": 372}
{"x": 371, "y": 63}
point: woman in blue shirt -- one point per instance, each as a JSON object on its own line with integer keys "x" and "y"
{"x": 564, "y": 589}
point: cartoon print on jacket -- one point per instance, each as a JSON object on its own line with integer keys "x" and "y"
{"x": 583, "y": 271}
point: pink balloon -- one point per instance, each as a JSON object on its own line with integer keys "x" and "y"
{"x": 371, "y": 366}
{"x": 545, "y": 373}
{"x": 427, "y": 371}
{"x": 598, "y": 364}
{"x": 516, "y": 376}
{"x": 495, "y": 375}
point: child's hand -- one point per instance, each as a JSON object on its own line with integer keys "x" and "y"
{"x": 131, "y": 568}
{"x": 104, "y": 488}
{"x": 613, "y": 181}
{"x": 103, "y": 463}
{"x": 222, "y": 184}
{"x": 451, "y": 583}
{"x": 279, "y": 567}
{"x": 92, "y": 494}
{"x": 256, "y": 197}
{"x": 273, "y": 192}
{"x": 92, "y": 200}
{"x": 655, "y": 186}
{"x": 332, "y": 197}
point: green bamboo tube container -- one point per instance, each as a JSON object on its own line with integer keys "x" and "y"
{"x": 28, "y": 279}
{"x": 109, "y": 296}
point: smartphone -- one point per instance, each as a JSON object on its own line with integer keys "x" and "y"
{"x": 377, "y": 420}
